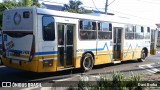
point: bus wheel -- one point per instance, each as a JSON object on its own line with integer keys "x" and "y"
{"x": 87, "y": 62}
{"x": 143, "y": 56}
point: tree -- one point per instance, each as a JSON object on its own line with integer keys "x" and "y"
{"x": 74, "y": 6}
{"x": 7, "y": 4}
{"x": 36, "y": 3}
{"x": 28, "y": 3}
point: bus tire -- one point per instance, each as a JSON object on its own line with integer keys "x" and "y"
{"x": 143, "y": 56}
{"x": 87, "y": 62}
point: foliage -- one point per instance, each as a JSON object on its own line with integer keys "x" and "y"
{"x": 118, "y": 82}
{"x": 74, "y": 6}
{"x": 29, "y": 3}
{"x": 158, "y": 72}
{"x": 9, "y": 4}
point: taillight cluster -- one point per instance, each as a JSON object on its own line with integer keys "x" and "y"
{"x": 3, "y": 47}
{"x": 48, "y": 63}
{"x": 32, "y": 49}
{"x": 32, "y": 53}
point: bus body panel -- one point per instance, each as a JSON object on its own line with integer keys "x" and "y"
{"x": 13, "y": 50}
{"x": 104, "y": 52}
{"x": 18, "y": 20}
{"x": 18, "y": 33}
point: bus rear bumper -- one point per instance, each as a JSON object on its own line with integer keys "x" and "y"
{"x": 20, "y": 64}
{"x": 33, "y": 66}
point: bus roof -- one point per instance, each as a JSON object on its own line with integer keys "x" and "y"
{"x": 100, "y": 17}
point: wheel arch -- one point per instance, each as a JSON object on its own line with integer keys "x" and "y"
{"x": 91, "y": 54}
{"x": 145, "y": 50}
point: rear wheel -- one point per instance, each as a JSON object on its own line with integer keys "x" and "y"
{"x": 143, "y": 56}
{"x": 87, "y": 62}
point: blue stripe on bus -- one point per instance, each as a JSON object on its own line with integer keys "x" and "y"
{"x": 98, "y": 49}
{"x": 105, "y": 45}
{"x": 37, "y": 53}
{"x": 16, "y": 51}
{"x": 44, "y": 53}
{"x": 55, "y": 52}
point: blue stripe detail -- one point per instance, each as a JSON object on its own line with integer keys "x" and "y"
{"x": 16, "y": 51}
{"x": 37, "y": 53}
{"x": 98, "y": 49}
{"x": 105, "y": 45}
{"x": 89, "y": 50}
{"x": 45, "y": 53}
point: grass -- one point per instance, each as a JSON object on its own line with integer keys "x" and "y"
{"x": 117, "y": 82}
{"x": 158, "y": 72}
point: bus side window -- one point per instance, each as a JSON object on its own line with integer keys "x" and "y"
{"x": 104, "y": 30}
{"x": 93, "y": 25}
{"x": 86, "y": 25}
{"x": 87, "y": 30}
{"x": 83, "y": 35}
{"x": 129, "y": 32}
{"x": 147, "y": 32}
{"x": 81, "y": 25}
{"x": 48, "y": 28}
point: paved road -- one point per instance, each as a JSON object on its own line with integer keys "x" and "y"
{"x": 150, "y": 66}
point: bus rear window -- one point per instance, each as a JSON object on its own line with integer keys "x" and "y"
{"x": 17, "y": 34}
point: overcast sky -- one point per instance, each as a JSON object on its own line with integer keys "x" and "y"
{"x": 144, "y": 9}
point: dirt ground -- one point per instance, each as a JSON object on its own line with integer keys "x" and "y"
{"x": 152, "y": 77}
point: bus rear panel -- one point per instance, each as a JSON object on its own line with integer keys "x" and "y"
{"x": 19, "y": 39}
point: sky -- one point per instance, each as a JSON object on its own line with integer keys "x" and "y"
{"x": 144, "y": 9}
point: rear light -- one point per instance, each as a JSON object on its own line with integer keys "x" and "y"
{"x": 47, "y": 63}
{"x": 32, "y": 49}
{"x": 32, "y": 53}
{"x": 3, "y": 47}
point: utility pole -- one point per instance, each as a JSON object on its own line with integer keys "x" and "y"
{"x": 106, "y": 6}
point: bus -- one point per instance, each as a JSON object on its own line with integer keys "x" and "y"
{"x": 43, "y": 40}
{"x": 158, "y": 39}
{"x": 1, "y": 63}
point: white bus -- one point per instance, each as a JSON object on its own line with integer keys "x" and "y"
{"x": 1, "y": 63}
{"x": 42, "y": 40}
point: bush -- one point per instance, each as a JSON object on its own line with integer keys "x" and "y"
{"x": 118, "y": 82}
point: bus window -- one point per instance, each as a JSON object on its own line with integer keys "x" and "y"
{"x": 93, "y": 25}
{"x": 87, "y": 30}
{"x": 147, "y": 33}
{"x": 60, "y": 34}
{"x": 48, "y": 28}
{"x": 80, "y": 24}
{"x": 129, "y": 32}
{"x": 86, "y": 25}
{"x": 104, "y": 30}
{"x": 139, "y": 32}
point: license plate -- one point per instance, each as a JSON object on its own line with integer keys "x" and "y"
{"x": 15, "y": 61}
{"x": 16, "y": 54}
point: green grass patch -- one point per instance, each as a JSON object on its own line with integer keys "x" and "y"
{"x": 117, "y": 82}
{"x": 158, "y": 72}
